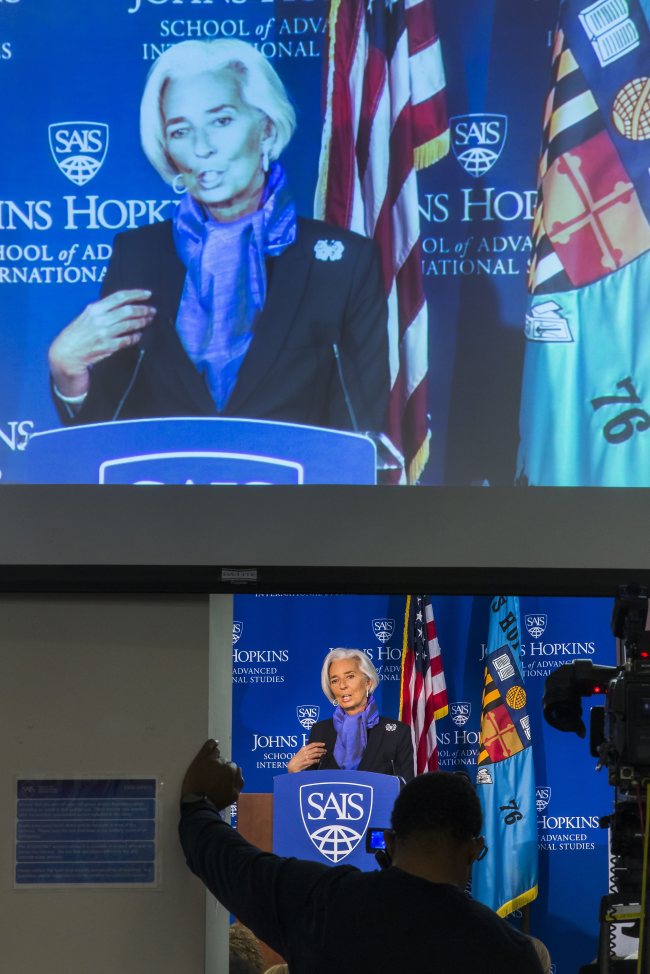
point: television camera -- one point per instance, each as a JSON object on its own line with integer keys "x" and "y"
{"x": 620, "y": 739}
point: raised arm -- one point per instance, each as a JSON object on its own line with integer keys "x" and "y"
{"x": 266, "y": 892}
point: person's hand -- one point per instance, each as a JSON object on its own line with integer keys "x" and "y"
{"x": 306, "y": 756}
{"x": 102, "y": 328}
{"x": 209, "y": 775}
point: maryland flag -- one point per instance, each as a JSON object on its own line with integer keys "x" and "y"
{"x": 507, "y": 878}
{"x": 585, "y": 409}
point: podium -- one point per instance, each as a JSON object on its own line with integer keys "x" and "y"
{"x": 194, "y": 451}
{"x": 323, "y": 815}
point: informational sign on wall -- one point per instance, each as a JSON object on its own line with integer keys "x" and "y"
{"x": 86, "y": 832}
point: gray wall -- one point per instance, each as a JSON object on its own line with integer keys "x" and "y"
{"x": 565, "y": 541}
{"x": 109, "y": 686}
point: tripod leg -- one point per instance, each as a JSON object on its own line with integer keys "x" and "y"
{"x": 604, "y": 935}
{"x": 644, "y": 946}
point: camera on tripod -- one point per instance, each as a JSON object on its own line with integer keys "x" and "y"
{"x": 620, "y": 739}
{"x": 619, "y": 731}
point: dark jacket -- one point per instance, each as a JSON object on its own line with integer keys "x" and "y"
{"x": 290, "y": 372}
{"x": 389, "y": 749}
{"x": 335, "y": 918}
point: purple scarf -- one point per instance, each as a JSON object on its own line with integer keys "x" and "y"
{"x": 225, "y": 284}
{"x": 352, "y": 734}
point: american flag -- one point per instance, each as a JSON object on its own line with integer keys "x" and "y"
{"x": 423, "y": 694}
{"x": 385, "y": 118}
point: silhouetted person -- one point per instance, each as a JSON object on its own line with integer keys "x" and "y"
{"x": 413, "y": 915}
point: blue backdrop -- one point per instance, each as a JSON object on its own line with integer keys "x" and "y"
{"x": 278, "y": 646}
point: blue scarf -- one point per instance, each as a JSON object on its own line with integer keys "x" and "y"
{"x": 352, "y": 734}
{"x": 225, "y": 284}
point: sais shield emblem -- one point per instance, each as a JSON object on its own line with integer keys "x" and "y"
{"x": 460, "y": 712}
{"x": 536, "y": 624}
{"x": 307, "y": 715}
{"x": 383, "y": 629}
{"x": 78, "y": 148}
{"x": 335, "y": 816}
{"x": 478, "y": 140}
{"x": 542, "y": 798}
{"x": 237, "y": 630}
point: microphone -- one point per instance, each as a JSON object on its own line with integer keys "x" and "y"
{"x": 400, "y": 778}
{"x": 145, "y": 340}
{"x": 388, "y": 456}
{"x": 344, "y": 388}
{"x": 127, "y": 391}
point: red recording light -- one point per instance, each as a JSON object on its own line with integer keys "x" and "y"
{"x": 598, "y": 689}
{"x": 644, "y": 654}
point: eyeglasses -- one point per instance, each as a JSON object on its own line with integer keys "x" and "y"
{"x": 484, "y": 851}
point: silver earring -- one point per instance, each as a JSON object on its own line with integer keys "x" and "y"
{"x": 367, "y": 693}
{"x": 178, "y": 183}
{"x": 265, "y": 160}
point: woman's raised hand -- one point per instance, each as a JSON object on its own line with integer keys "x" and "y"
{"x": 102, "y": 328}
{"x": 306, "y": 756}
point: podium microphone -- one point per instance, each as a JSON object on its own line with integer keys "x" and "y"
{"x": 402, "y": 781}
{"x": 344, "y": 388}
{"x": 145, "y": 340}
{"x": 125, "y": 395}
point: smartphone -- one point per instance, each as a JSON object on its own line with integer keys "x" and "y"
{"x": 375, "y": 840}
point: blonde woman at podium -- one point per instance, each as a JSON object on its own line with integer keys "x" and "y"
{"x": 356, "y": 737}
{"x": 236, "y": 306}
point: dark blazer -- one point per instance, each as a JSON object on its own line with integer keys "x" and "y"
{"x": 317, "y": 297}
{"x": 389, "y": 749}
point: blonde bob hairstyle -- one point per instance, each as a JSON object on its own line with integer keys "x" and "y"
{"x": 365, "y": 665}
{"x": 259, "y": 87}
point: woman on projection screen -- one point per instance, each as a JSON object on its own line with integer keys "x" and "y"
{"x": 236, "y": 306}
{"x": 355, "y": 738}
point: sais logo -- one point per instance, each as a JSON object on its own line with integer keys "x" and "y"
{"x": 307, "y": 715}
{"x": 237, "y": 630}
{"x": 383, "y": 629}
{"x": 536, "y": 624}
{"x": 335, "y": 816}
{"x": 542, "y": 798}
{"x": 78, "y": 149}
{"x": 478, "y": 140}
{"x": 460, "y": 712}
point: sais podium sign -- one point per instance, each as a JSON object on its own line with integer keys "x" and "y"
{"x": 323, "y": 815}
{"x": 193, "y": 451}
